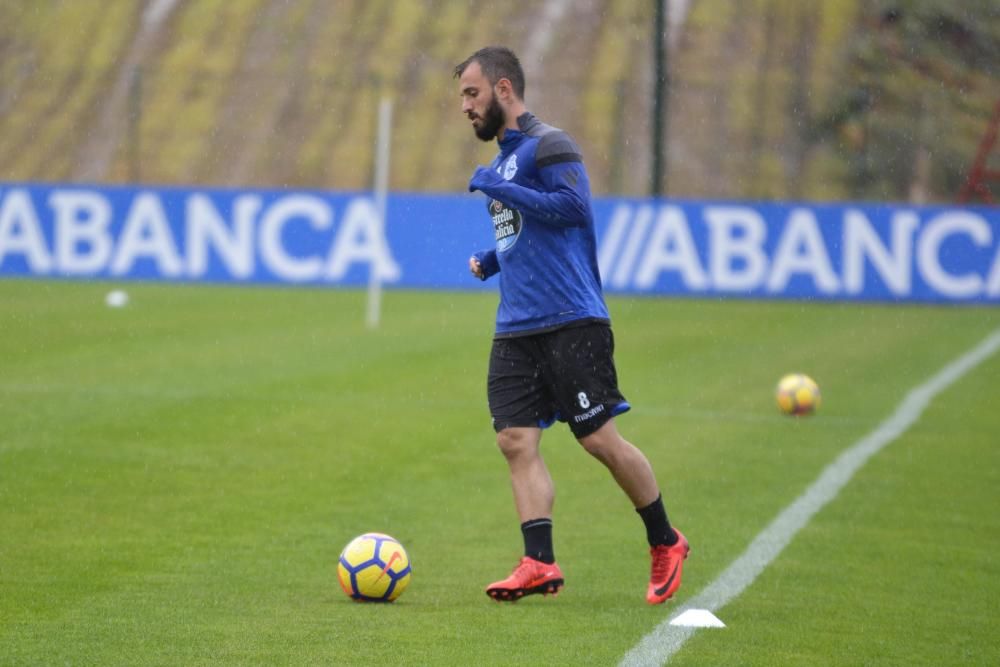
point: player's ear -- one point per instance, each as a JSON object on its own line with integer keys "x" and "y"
{"x": 504, "y": 89}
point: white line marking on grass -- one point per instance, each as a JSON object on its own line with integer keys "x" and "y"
{"x": 658, "y": 646}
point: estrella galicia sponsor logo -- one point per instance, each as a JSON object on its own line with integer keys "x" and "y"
{"x": 506, "y": 224}
{"x": 510, "y": 168}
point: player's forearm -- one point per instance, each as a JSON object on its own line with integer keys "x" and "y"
{"x": 563, "y": 207}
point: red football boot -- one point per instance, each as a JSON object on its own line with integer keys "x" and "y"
{"x": 665, "y": 574}
{"x": 529, "y": 577}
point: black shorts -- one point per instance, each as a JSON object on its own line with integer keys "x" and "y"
{"x": 567, "y": 375}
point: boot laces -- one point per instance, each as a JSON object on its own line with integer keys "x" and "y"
{"x": 525, "y": 568}
{"x": 661, "y": 561}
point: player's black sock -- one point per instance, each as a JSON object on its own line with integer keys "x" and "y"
{"x": 658, "y": 530}
{"x": 538, "y": 539}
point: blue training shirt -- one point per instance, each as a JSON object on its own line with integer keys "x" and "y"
{"x": 546, "y": 248}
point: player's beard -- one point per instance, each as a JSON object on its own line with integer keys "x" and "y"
{"x": 492, "y": 121}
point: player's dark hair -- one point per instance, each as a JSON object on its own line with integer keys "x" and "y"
{"x": 497, "y": 62}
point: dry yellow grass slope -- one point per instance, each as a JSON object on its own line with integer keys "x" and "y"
{"x": 285, "y": 92}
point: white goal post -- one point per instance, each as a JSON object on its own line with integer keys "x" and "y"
{"x": 380, "y": 192}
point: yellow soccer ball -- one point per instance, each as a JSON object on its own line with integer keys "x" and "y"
{"x": 797, "y": 394}
{"x": 374, "y": 567}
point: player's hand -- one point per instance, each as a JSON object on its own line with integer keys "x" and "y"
{"x": 476, "y": 268}
{"x": 484, "y": 178}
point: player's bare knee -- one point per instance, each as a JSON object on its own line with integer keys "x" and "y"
{"x": 514, "y": 443}
{"x": 599, "y": 446}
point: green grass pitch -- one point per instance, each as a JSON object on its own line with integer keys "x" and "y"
{"x": 178, "y": 477}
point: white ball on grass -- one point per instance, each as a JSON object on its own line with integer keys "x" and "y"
{"x": 116, "y": 298}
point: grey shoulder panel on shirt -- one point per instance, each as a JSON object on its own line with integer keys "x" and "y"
{"x": 554, "y": 146}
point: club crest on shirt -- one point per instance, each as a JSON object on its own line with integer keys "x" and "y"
{"x": 510, "y": 168}
{"x": 506, "y": 224}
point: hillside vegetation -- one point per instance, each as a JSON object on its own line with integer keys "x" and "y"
{"x": 768, "y": 98}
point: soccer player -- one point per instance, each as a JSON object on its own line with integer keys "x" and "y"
{"x": 552, "y": 354}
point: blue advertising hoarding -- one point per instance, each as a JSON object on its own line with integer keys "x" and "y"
{"x": 657, "y": 247}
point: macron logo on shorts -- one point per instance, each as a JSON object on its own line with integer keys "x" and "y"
{"x": 593, "y": 412}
